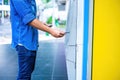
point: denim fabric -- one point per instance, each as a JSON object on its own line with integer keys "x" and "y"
{"x": 21, "y": 13}
{"x": 26, "y": 61}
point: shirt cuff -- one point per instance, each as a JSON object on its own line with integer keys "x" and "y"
{"x": 28, "y": 18}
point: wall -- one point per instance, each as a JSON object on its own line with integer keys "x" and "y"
{"x": 106, "y": 40}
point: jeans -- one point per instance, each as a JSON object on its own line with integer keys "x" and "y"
{"x": 26, "y": 61}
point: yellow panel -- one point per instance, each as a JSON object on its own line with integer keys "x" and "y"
{"x": 106, "y": 45}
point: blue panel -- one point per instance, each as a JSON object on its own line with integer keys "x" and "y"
{"x": 85, "y": 41}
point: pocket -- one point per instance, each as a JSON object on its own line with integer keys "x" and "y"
{"x": 21, "y": 49}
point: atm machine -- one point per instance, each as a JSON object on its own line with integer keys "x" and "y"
{"x": 78, "y": 39}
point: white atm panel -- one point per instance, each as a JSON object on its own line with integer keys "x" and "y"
{"x": 70, "y": 53}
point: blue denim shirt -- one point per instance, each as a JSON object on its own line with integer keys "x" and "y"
{"x": 22, "y": 12}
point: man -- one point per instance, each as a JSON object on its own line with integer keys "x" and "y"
{"x": 25, "y": 35}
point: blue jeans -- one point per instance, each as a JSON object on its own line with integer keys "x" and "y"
{"x": 26, "y": 61}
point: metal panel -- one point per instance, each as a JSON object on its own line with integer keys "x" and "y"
{"x": 80, "y": 21}
{"x": 74, "y": 39}
{"x": 70, "y": 39}
{"x": 71, "y": 23}
{"x": 79, "y": 50}
{"x": 71, "y": 53}
{"x": 71, "y": 70}
{"x": 79, "y": 62}
{"x": 89, "y": 65}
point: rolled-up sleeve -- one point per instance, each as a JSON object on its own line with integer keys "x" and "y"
{"x": 23, "y": 8}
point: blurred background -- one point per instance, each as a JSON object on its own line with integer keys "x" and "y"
{"x": 52, "y": 12}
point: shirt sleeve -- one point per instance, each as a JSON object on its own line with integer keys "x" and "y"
{"x": 23, "y": 8}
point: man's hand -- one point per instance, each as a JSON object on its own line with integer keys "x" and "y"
{"x": 57, "y": 33}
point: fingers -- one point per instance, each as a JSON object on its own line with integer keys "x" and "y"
{"x": 57, "y": 33}
{"x": 62, "y": 33}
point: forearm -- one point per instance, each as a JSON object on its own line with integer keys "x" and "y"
{"x": 39, "y": 25}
